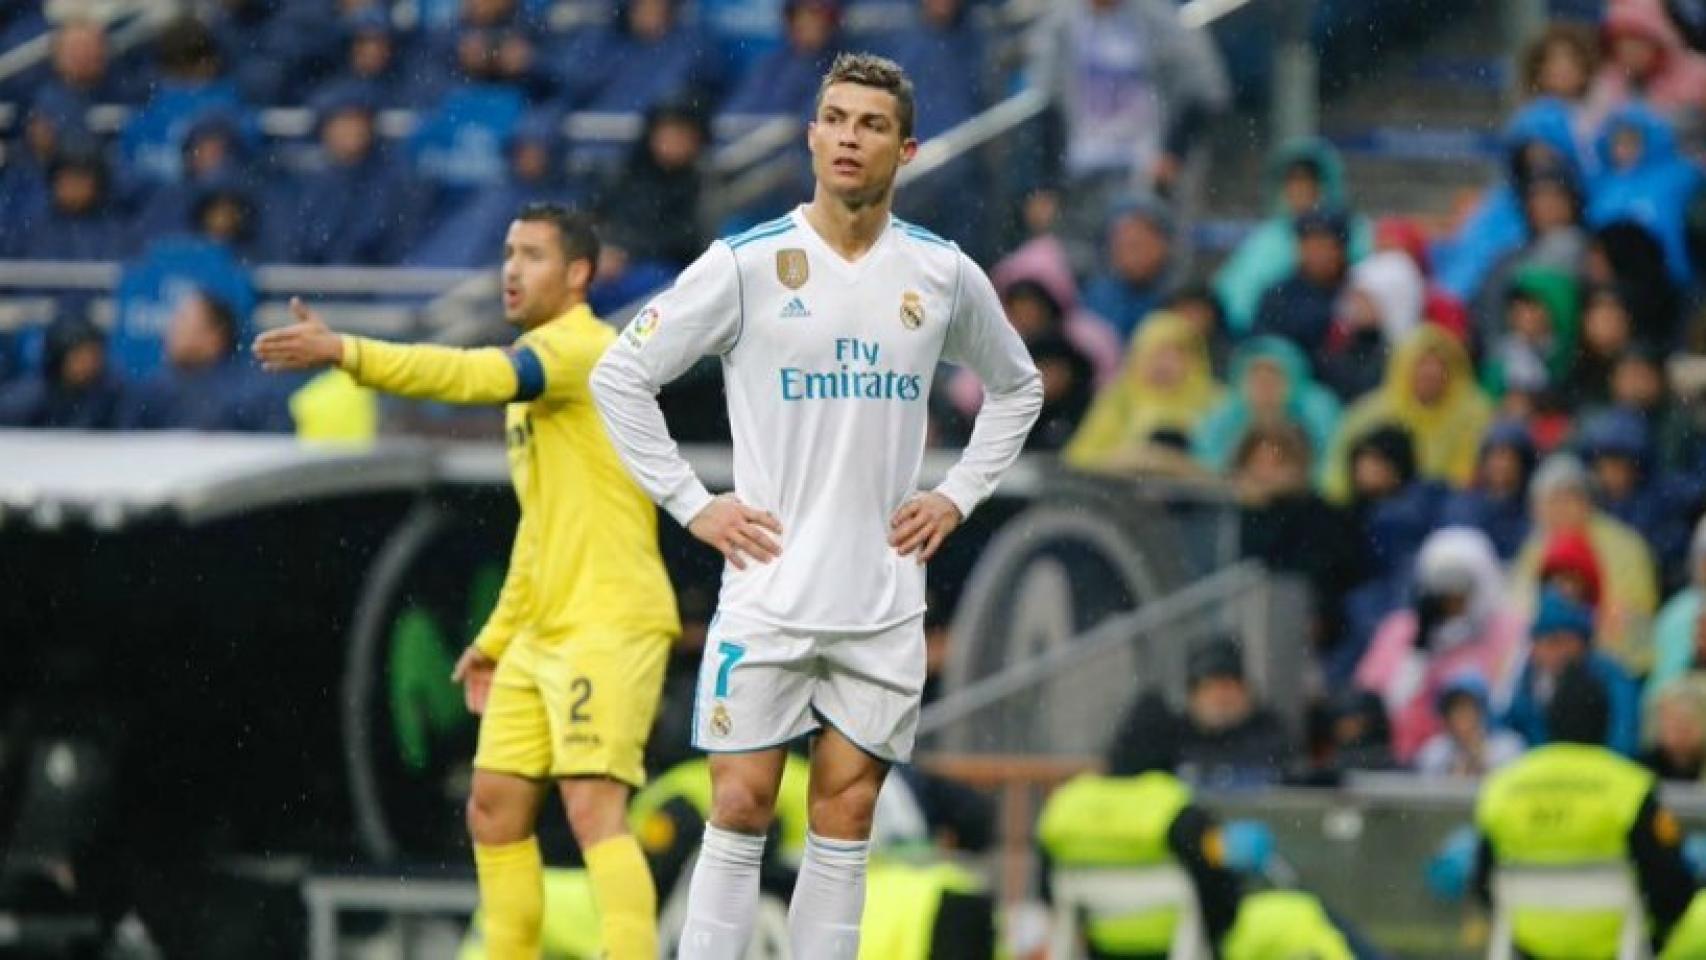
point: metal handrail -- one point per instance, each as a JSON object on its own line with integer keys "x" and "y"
{"x": 1210, "y": 592}
{"x": 148, "y": 18}
{"x": 944, "y": 149}
{"x": 968, "y": 135}
{"x": 275, "y": 278}
{"x": 1201, "y": 13}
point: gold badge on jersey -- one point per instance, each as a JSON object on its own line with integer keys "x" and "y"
{"x": 911, "y": 310}
{"x": 721, "y": 724}
{"x": 792, "y": 268}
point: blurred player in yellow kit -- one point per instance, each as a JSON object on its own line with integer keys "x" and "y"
{"x": 568, "y": 670}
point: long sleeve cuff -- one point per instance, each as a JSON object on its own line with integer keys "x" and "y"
{"x": 492, "y": 644}
{"x": 351, "y": 361}
{"x": 685, "y": 502}
{"x": 961, "y": 492}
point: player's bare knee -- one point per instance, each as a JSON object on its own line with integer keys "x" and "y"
{"x": 743, "y": 807}
{"x": 597, "y": 809}
{"x": 485, "y": 821}
{"x": 494, "y": 818}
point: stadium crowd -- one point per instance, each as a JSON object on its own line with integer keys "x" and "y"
{"x": 1481, "y": 443}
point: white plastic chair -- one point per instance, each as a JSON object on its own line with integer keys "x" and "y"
{"x": 1589, "y": 888}
{"x": 1092, "y": 892}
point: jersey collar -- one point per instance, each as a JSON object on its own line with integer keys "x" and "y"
{"x": 851, "y": 269}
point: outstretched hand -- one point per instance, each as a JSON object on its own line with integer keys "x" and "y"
{"x": 737, "y": 531}
{"x": 307, "y": 344}
{"x": 922, "y": 523}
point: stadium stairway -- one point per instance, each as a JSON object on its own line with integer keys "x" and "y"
{"x": 1418, "y": 130}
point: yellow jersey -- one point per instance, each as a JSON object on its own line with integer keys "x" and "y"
{"x": 586, "y": 550}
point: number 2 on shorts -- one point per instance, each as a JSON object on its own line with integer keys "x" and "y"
{"x": 731, "y": 654}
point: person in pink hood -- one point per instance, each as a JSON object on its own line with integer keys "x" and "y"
{"x": 1043, "y": 261}
{"x": 1459, "y": 622}
{"x": 1646, "y": 59}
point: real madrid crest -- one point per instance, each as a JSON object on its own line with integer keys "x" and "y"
{"x": 911, "y": 310}
{"x": 792, "y": 268}
{"x": 721, "y": 724}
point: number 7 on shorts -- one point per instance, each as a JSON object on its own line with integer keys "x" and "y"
{"x": 730, "y": 654}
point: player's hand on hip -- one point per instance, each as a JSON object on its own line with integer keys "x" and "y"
{"x": 474, "y": 671}
{"x": 306, "y": 344}
{"x": 737, "y": 531}
{"x": 921, "y": 524}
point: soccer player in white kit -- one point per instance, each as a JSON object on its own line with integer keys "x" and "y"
{"x": 829, "y": 322}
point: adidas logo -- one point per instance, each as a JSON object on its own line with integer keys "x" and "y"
{"x": 795, "y": 309}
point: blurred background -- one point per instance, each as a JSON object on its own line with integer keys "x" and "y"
{"x": 1363, "y": 324}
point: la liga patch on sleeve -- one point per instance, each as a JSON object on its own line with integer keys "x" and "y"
{"x": 641, "y": 328}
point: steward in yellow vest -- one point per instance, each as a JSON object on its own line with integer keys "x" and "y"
{"x": 1574, "y": 802}
{"x": 1147, "y": 819}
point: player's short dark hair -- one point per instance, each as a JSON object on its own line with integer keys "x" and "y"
{"x": 574, "y": 230}
{"x": 870, "y": 70}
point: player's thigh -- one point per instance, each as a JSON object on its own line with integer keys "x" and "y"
{"x": 601, "y": 693}
{"x": 755, "y": 687}
{"x": 515, "y": 730}
{"x": 871, "y": 689}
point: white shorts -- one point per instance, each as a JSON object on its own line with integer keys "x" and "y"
{"x": 761, "y": 686}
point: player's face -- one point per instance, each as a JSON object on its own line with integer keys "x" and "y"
{"x": 536, "y": 274}
{"x": 856, "y": 143}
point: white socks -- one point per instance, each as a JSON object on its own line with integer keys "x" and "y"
{"x": 829, "y": 900}
{"x": 722, "y": 902}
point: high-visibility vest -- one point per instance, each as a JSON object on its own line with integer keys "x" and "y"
{"x": 1096, "y": 821}
{"x": 1563, "y": 804}
{"x": 901, "y": 904}
{"x": 1688, "y": 938}
{"x": 1283, "y": 925}
{"x": 333, "y": 408}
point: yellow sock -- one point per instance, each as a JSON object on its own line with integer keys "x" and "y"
{"x": 512, "y": 898}
{"x": 627, "y": 901}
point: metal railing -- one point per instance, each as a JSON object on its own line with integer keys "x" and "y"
{"x": 1173, "y": 616}
{"x": 143, "y": 19}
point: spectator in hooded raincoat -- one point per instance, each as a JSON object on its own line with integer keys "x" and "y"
{"x": 1496, "y": 502}
{"x": 1270, "y": 382}
{"x": 359, "y": 205}
{"x": 1643, "y": 178}
{"x": 1382, "y": 303}
{"x": 1430, "y": 390}
{"x": 1140, "y": 267}
{"x": 1629, "y": 486}
{"x": 1166, "y": 385}
{"x": 1614, "y": 566}
{"x": 1458, "y": 621}
{"x": 1679, "y": 631}
{"x": 1541, "y": 136}
{"x": 75, "y": 389}
{"x": 1301, "y": 176}
{"x": 1562, "y": 637}
{"x": 1646, "y": 59}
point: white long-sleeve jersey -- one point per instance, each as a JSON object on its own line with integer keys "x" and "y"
{"x": 827, "y": 365}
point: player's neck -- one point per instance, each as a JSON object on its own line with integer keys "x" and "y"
{"x": 545, "y": 317}
{"x": 847, "y": 229}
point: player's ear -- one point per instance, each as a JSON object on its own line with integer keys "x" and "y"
{"x": 908, "y": 149}
{"x": 580, "y": 273}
